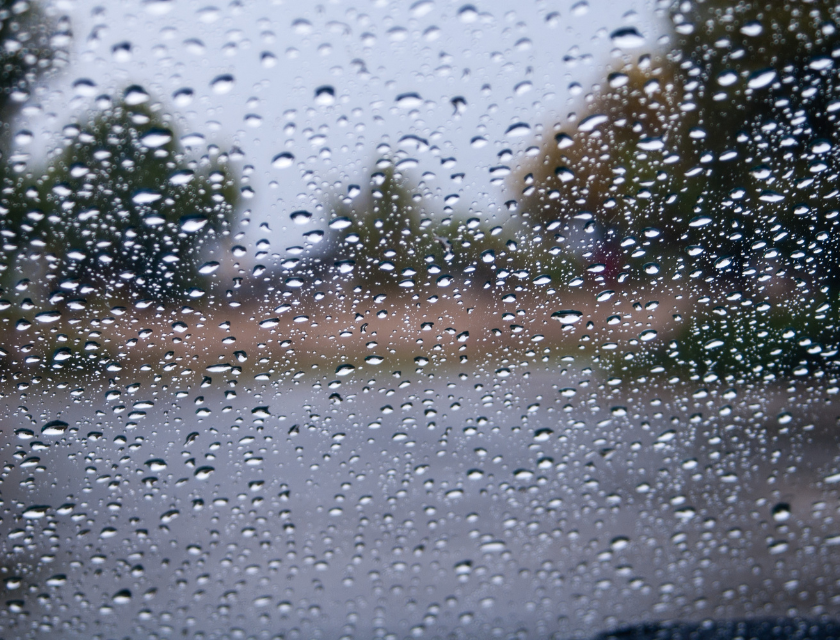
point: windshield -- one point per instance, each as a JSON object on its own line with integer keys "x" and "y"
{"x": 419, "y": 319}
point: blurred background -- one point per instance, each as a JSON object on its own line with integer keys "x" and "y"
{"x": 416, "y": 319}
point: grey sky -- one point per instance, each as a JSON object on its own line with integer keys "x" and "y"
{"x": 506, "y": 59}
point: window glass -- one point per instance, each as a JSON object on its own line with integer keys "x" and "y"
{"x": 419, "y": 319}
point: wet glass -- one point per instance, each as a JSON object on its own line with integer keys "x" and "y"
{"x": 419, "y": 319}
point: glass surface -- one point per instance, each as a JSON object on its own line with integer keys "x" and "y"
{"x": 419, "y": 319}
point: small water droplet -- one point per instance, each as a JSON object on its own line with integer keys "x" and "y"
{"x": 325, "y": 96}
{"x": 222, "y": 84}
{"x": 567, "y": 316}
{"x": 300, "y": 217}
{"x": 627, "y": 38}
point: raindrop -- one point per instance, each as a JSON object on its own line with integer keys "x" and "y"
{"x": 35, "y": 512}
{"x": 409, "y": 100}
{"x": 135, "y": 95}
{"x": 202, "y": 473}
{"x": 700, "y": 221}
{"x": 325, "y": 96}
{"x": 781, "y": 512}
{"x": 46, "y": 317}
{"x": 344, "y": 370}
{"x": 761, "y": 79}
{"x": 518, "y": 130}
{"x": 145, "y": 196}
{"x": 651, "y": 268}
{"x": 467, "y": 14}
{"x": 752, "y": 29}
{"x": 183, "y": 97}
{"x": 192, "y": 224}
{"x": 300, "y": 217}
{"x": 340, "y": 223}
{"x": 156, "y": 138}
{"x": 283, "y": 160}
{"x": 592, "y": 122}
{"x": 54, "y": 428}
{"x": 567, "y": 316}
{"x": 627, "y": 38}
{"x": 222, "y": 84}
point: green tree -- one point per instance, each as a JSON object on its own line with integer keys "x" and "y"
{"x": 124, "y": 207}
{"x": 31, "y": 46}
{"x": 386, "y": 235}
{"x": 713, "y": 163}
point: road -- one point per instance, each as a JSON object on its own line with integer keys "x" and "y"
{"x": 417, "y": 505}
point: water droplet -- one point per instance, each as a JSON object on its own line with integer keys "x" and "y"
{"x": 183, "y": 97}
{"x": 567, "y": 316}
{"x": 222, "y": 84}
{"x": 518, "y": 130}
{"x": 325, "y": 96}
{"x": 300, "y": 217}
{"x": 593, "y": 121}
{"x": 781, "y": 512}
{"x": 156, "y": 138}
{"x": 421, "y": 8}
{"x": 409, "y": 100}
{"x": 145, "y": 196}
{"x": 344, "y": 369}
{"x": 727, "y": 78}
{"x": 283, "y": 160}
{"x": 627, "y": 38}
{"x": 761, "y": 79}
{"x": 467, "y": 14}
{"x": 35, "y": 512}
{"x": 651, "y": 268}
{"x": 46, "y": 317}
{"x": 191, "y": 224}
{"x": 202, "y": 473}
{"x": 752, "y": 29}
{"x": 340, "y": 223}
{"x": 180, "y": 178}
{"x": 54, "y": 428}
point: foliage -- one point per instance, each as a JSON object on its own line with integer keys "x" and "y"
{"x": 123, "y": 206}
{"x": 31, "y": 45}
{"x": 712, "y": 163}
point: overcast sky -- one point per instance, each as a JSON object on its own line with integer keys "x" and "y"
{"x": 505, "y": 59}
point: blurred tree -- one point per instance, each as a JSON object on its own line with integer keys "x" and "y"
{"x": 31, "y": 45}
{"x": 387, "y": 238}
{"x": 713, "y": 161}
{"x": 123, "y": 207}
